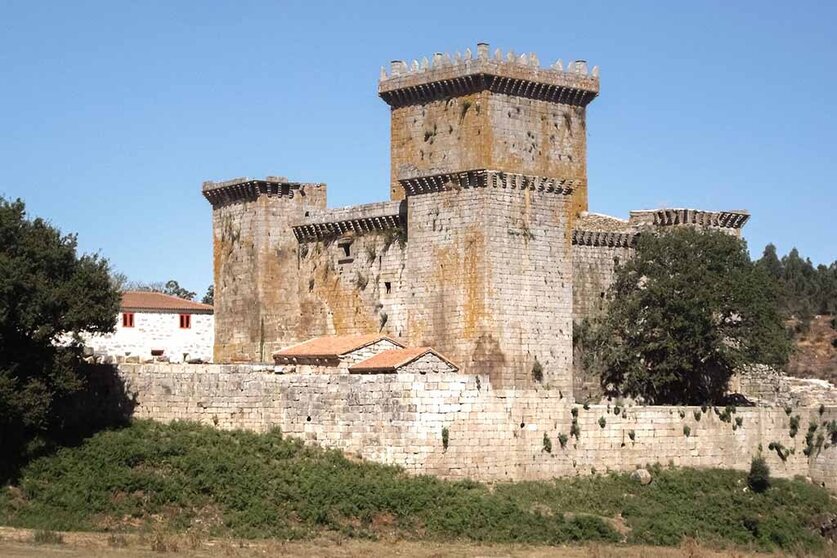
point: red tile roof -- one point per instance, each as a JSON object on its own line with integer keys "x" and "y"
{"x": 392, "y": 359}
{"x": 331, "y": 346}
{"x": 149, "y": 301}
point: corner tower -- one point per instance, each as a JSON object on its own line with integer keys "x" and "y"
{"x": 490, "y": 153}
{"x": 489, "y": 111}
{"x": 255, "y": 268}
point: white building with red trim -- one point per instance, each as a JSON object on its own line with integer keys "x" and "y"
{"x": 158, "y": 327}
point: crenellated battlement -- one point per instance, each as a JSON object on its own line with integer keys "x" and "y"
{"x": 358, "y": 219}
{"x": 681, "y": 216}
{"x": 445, "y": 76}
{"x": 243, "y": 188}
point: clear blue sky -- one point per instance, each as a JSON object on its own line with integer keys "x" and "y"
{"x": 113, "y": 113}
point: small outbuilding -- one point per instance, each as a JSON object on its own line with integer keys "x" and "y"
{"x": 332, "y": 353}
{"x": 413, "y": 360}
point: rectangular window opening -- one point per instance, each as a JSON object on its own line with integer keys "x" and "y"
{"x": 127, "y": 319}
{"x": 345, "y": 247}
{"x": 185, "y": 321}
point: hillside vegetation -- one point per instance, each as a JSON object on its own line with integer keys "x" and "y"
{"x": 189, "y": 478}
{"x": 815, "y": 351}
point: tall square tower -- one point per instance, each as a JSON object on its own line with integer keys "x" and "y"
{"x": 490, "y": 153}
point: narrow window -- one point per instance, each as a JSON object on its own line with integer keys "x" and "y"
{"x": 185, "y": 321}
{"x": 345, "y": 247}
{"x": 127, "y": 319}
{"x": 388, "y": 286}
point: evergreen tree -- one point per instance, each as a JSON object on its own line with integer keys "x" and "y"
{"x": 684, "y": 313}
{"x": 48, "y": 293}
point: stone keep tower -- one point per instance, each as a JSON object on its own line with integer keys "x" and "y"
{"x": 490, "y": 153}
{"x": 255, "y": 269}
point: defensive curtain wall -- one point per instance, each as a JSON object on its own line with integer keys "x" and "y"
{"x": 492, "y": 435}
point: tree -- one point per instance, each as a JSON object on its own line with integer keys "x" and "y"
{"x": 209, "y": 297}
{"x": 170, "y": 287}
{"x": 805, "y": 290}
{"x": 684, "y": 313}
{"x": 48, "y": 294}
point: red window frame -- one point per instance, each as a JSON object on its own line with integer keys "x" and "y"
{"x": 127, "y": 319}
{"x": 185, "y": 321}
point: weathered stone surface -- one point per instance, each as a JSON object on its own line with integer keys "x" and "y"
{"x": 642, "y": 476}
{"x": 495, "y": 434}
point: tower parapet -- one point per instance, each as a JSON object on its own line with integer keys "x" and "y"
{"x": 248, "y": 189}
{"x": 452, "y": 76}
{"x": 727, "y": 221}
{"x": 472, "y": 112}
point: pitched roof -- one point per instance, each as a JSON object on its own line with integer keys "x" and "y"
{"x": 393, "y": 359}
{"x": 148, "y": 301}
{"x": 331, "y": 346}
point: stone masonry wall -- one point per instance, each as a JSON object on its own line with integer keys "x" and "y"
{"x": 493, "y": 434}
{"x": 593, "y": 273}
{"x": 490, "y": 282}
{"x": 362, "y": 292}
{"x": 488, "y": 130}
{"x": 427, "y": 364}
{"x": 255, "y": 270}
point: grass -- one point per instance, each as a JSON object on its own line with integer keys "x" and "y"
{"x": 184, "y": 477}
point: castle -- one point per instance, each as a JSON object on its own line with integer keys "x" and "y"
{"x": 485, "y": 250}
{"x": 434, "y": 331}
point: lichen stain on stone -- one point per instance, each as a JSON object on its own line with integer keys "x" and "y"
{"x": 346, "y": 308}
{"x": 474, "y": 284}
{"x": 488, "y": 358}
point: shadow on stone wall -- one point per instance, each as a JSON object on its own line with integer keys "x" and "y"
{"x": 102, "y": 403}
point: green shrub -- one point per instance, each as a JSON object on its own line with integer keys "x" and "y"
{"x": 780, "y": 450}
{"x": 602, "y": 422}
{"x": 687, "y": 431}
{"x": 168, "y": 477}
{"x": 547, "y": 443}
{"x": 726, "y": 415}
{"x": 632, "y": 435}
{"x": 574, "y": 411}
{"x": 445, "y": 437}
{"x": 739, "y": 421}
{"x": 794, "y": 426}
{"x": 759, "y": 477}
{"x": 788, "y": 410}
{"x": 586, "y": 406}
{"x": 562, "y": 439}
{"x": 575, "y": 429}
{"x": 831, "y": 428}
{"x": 697, "y": 415}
